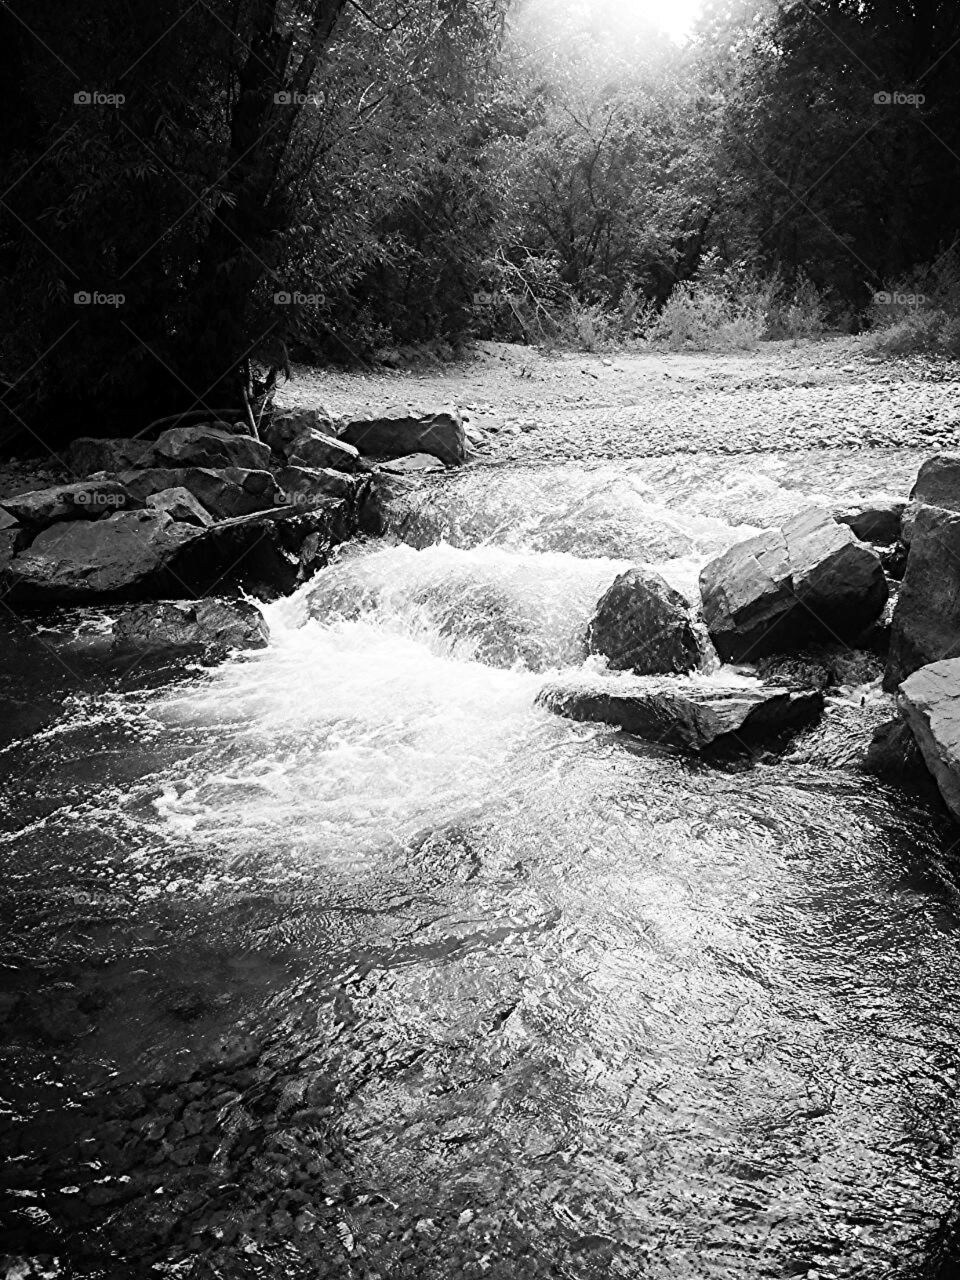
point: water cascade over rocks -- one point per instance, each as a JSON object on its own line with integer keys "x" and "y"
{"x": 363, "y": 959}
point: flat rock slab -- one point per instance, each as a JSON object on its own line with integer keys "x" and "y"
{"x": 929, "y": 701}
{"x": 316, "y": 449}
{"x": 411, "y": 465}
{"x": 687, "y": 713}
{"x": 396, "y": 434}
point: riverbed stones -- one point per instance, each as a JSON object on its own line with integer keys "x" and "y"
{"x": 225, "y": 493}
{"x": 205, "y": 446}
{"x": 643, "y": 625}
{"x": 926, "y": 621}
{"x": 86, "y": 500}
{"x": 810, "y": 580}
{"x": 929, "y": 701}
{"x": 688, "y": 713}
{"x": 397, "y": 433}
{"x": 211, "y": 625}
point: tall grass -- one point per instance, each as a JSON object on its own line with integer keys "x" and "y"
{"x": 919, "y": 313}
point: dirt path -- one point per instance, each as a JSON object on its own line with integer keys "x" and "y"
{"x": 522, "y": 404}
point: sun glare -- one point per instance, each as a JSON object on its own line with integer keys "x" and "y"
{"x": 674, "y": 17}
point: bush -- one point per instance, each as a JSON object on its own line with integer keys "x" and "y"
{"x": 919, "y": 314}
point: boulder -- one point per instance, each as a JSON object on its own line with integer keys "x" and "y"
{"x": 825, "y": 667}
{"x": 302, "y": 486}
{"x": 313, "y": 449}
{"x": 77, "y": 560}
{"x": 281, "y": 429}
{"x": 395, "y": 434}
{"x": 876, "y": 519}
{"x": 688, "y": 713}
{"x": 204, "y": 446}
{"x": 893, "y": 754}
{"x": 412, "y": 464}
{"x": 227, "y": 493}
{"x": 143, "y": 555}
{"x": 214, "y": 626}
{"x": 180, "y": 504}
{"x": 926, "y": 621}
{"x": 643, "y": 625}
{"x": 810, "y": 580}
{"x": 87, "y": 454}
{"x": 87, "y": 500}
{"x": 929, "y": 701}
{"x": 938, "y": 482}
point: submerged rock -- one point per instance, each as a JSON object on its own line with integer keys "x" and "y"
{"x": 396, "y": 434}
{"x": 215, "y": 626}
{"x": 893, "y": 753}
{"x": 643, "y": 625}
{"x": 810, "y": 580}
{"x": 690, "y": 713}
{"x": 926, "y": 621}
{"x": 929, "y": 701}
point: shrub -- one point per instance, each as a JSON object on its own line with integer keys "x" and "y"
{"x": 919, "y": 313}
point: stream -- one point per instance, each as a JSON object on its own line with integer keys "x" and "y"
{"x": 345, "y": 959}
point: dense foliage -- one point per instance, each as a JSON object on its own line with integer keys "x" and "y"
{"x": 260, "y": 177}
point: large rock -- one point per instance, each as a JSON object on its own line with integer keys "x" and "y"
{"x": 143, "y": 555}
{"x": 87, "y": 500}
{"x": 180, "y": 504}
{"x": 687, "y": 713}
{"x": 87, "y": 454}
{"x": 811, "y": 580}
{"x": 227, "y": 493}
{"x": 211, "y": 625}
{"x": 929, "y": 701}
{"x": 926, "y": 621}
{"x": 282, "y": 428}
{"x": 643, "y": 625}
{"x": 938, "y": 482}
{"x": 304, "y": 486}
{"x": 875, "y": 519}
{"x": 76, "y": 560}
{"x": 313, "y": 449}
{"x": 211, "y": 447}
{"x": 395, "y": 434}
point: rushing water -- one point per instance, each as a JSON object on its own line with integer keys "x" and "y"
{"x": 345, "y": 959}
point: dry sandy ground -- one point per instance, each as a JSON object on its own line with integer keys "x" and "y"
{"x": 522, "y": 404}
